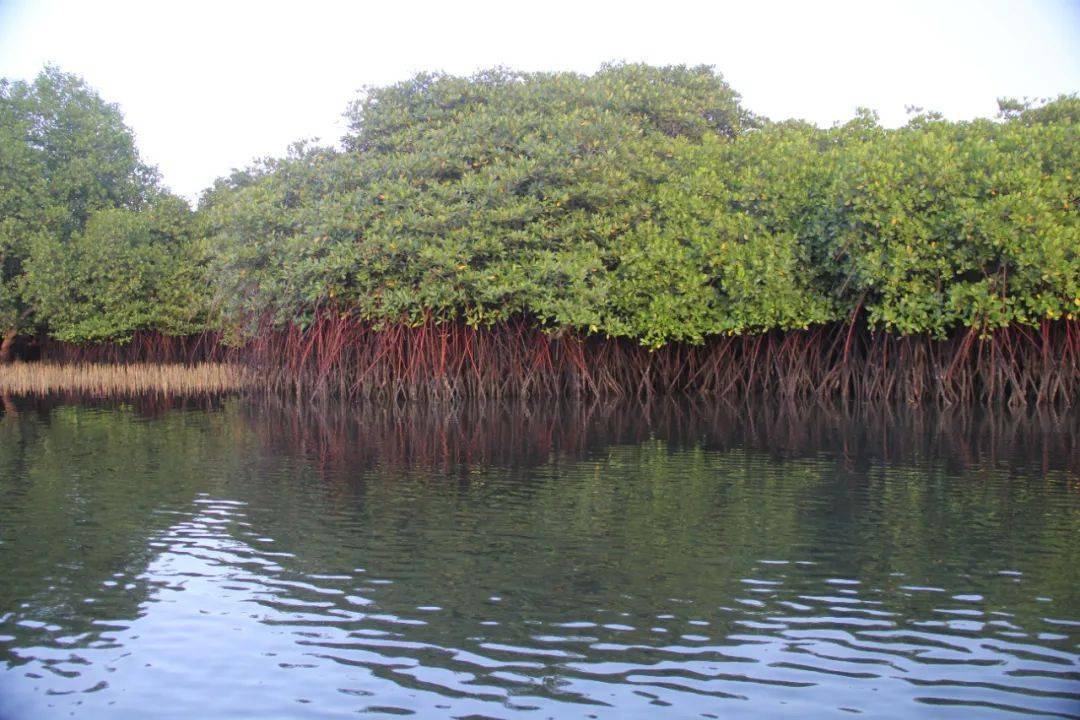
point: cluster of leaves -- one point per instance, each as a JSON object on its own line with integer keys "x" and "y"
{"x": 90, "y": 246}
{"x": 927, "y": 228}
{"x": 970, "y": 224}
{"x": 499, "y": 195}
{"x": 637, "y": 202}
{"x": 646, "y": 203}
{"x": 126, "y": 271}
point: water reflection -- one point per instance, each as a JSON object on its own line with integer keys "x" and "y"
{"x": 604, "y": 561}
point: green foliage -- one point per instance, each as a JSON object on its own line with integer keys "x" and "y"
{"x": 266, "y": 226}
{"x": 65, "y": 154}
{"x": 968, "y": 224}
{"x": 645, "y": 203}
{"x": 499, "y": 195}
{"x": 730, "y": 248}
{"x": 126, "y": 271}
{"x": 637, "y": 202}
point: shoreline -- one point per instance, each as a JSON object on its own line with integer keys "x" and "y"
{"x": 341, "y": 357}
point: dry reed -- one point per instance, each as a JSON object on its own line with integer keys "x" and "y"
{"x": 122, "y": 380}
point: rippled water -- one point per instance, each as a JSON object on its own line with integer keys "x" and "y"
{"x": 265, "y": 561}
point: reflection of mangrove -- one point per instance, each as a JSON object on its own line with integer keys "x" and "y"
{"x": 461, "y": 435}
{"x": 563, "y": 509}
{"x": 419, "y": 435}
{"x": 567, "y": 512}
{"x": 141, "y": 405}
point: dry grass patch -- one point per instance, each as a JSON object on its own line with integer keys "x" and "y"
{"x": 110, "y": 380}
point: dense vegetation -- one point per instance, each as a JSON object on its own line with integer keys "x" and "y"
{"x": 636, "y": 209}
{"x": 91, "y": 248}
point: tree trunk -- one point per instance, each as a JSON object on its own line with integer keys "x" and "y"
{"x": 7, "y": 344}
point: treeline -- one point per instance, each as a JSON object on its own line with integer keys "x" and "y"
{"x": 92, "y": 248}
{"x": 636, "y": 228}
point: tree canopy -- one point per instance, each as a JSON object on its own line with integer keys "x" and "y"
{"x": 647, "y": 203}
{"x": 69, "y": 173}
{"x": 637, "y": 202}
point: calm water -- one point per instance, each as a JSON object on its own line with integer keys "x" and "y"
{"x": 577, "y": 562}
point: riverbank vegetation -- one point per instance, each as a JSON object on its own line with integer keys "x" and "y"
{"x": 101, "y": 380}
{"x": 634, "y": 231}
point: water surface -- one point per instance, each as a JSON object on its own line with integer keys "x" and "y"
{"x": 236, "y": 559}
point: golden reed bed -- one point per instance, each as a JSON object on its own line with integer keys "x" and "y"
{"x": 106, "y": 380}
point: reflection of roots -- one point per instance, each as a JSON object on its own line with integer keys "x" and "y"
{"x": 515, "y": 433}
{"x": 452, "y": 438}
{"x": 339, "y": 355}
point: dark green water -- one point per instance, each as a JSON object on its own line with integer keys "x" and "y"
{"x": 610, "y": 562}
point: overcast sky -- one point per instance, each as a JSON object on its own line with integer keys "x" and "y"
{"x": 210, "y": 85}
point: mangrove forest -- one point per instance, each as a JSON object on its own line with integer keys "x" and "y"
{"x": 636, "y": 231}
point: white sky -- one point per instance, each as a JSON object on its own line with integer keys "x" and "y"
{"x": 209, "y": 85}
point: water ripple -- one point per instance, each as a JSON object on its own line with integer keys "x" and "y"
{"x": 641, "y": 580}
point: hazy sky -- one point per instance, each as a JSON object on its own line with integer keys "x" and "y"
{"x": 207, "y": 86}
